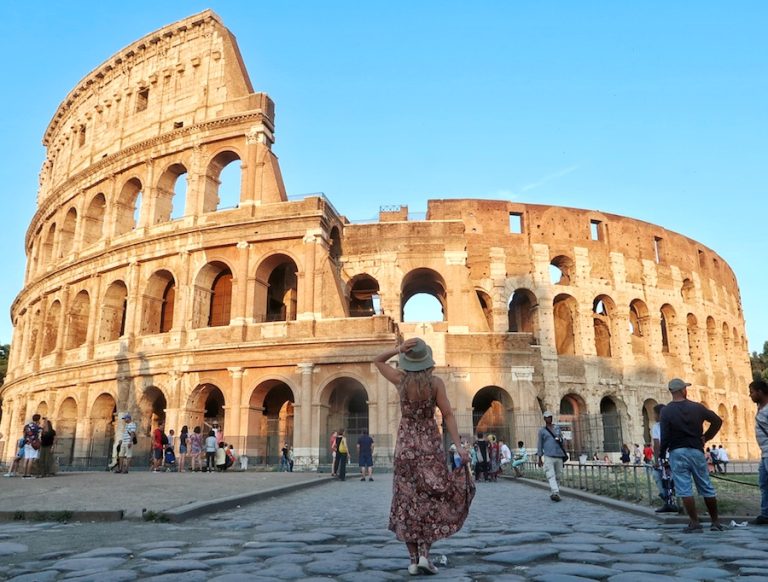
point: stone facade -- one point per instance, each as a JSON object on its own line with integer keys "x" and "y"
{"x": 143, "y": 295}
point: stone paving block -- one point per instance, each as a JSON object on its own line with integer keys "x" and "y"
{"x": 575, "y": 547}
{"x": 173, "y": 566}
{"x": 189, "y": 576}
{"x": 48, "y": 576}
{"x": 229, "y": 561}
{"x": 283, "y": 572}
{"x": 111, "y": 575}
{"x": 87, "y": 563}
{"x": 572, "y": 569}
{"x": 161, "y": 554}
{"x": 560, "y": 578}
{"x": 633, "y": 577}
{"x": 370, "y": 576}
{"x": 385, "y": 564}
{"x": 699, "y": 573}
{"x": 162, "y": 544}
{"x": 9, "y": 548}
{"x": 331, "y": 567}
{"x": 587, "y": 557}
{"x": 641, "y": 567}
{"x": 239, "y": 578}
{"x": 522, "y": 555}
{"x": 105, "y": 553}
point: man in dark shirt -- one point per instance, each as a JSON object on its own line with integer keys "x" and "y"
{"x": 365, "y": 455}
{"x": 682, "y": 439}
{"x": 481, "y": 467}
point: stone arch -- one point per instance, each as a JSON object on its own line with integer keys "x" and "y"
{"x": 722, "y": 412}
{"x": 648, "y": 419}
{"x": 610, "y": 418}
{"x": 277, "y": 289}
{"x": 688, "y": 291}
{"x": 34, "y": 331}
{"x": 363, "y": 293}
{"x": 103, "y": 416}
{"x": 42, "y": 408}
{"x": 158, "y": 303}
{"x": 212, "y": 304}
{"x": 113, "y": 309}
{"x": 66, "y": 430}
{"x": 492, "y": 413}
{"x": 206, "y": 404}
{"x": 335, "y": 249}
{"x": 523, "y": 312}
{"x": 152, "y": 407}
{"x": 67, "y": 235}
{"x": 486, "y": 305}
{"x": 77, "y": 324}
{"x": 171, "y": 193}
{"x": 561, "y": 270}
{"x": 93, "y": 220}
{"x": 212, "y": 192}
{"x": 346, "y": 399}
{"x": 128, "y": 207}
{"x": 603, "y": 311}
{"x": 667, "y": 322}
{"x": 270, "y": 420}
{"x": 47, "y": 248}
{"x": 423, "y": 282}
{"x": 565, "y": 313}
{"x": 572, "y": 413}
{"x": 736, "y": 423}
{"x": 638, "y": 325}
{"x": 51, "y": 328}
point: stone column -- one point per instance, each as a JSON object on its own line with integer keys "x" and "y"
{"x": 240, "y": 285}
{"x": 93, "y": 317}
{"x": 305, "y": 439}
{"x": 232, "y": 413}
{"x": 306, "y": 307}
{"x": 63, "y": 324}
{"x": 133, "y": 309}
{"x": 83, "y": 427}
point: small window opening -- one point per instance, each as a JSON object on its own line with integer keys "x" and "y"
{"x": 702, "y": 260}
{"x": 81, "y": 136}
{"x": 178, "y": 124}
{"x": 515, "y": 223}
{"x": 595, "y": 230}
{"x": 657, "y": 248}
{"x": 142, "y": 99}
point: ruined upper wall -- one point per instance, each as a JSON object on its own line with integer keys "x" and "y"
{"x": 183, "y": 74}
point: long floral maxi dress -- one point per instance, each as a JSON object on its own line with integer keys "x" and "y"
{"x": 429, "y": 502}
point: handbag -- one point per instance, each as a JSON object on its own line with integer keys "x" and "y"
{"x": 559, "y": 442}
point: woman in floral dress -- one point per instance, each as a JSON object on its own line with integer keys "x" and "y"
{"x": 429, "y": 502}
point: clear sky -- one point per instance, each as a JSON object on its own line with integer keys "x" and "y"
{"x": 654, "y": 110}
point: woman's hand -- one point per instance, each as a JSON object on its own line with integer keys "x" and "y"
{"x": 463, "y": 454}
{"x": 407, "y": 345}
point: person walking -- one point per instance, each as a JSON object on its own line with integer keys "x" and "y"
{"x": 183, "y": 447}
{"x": 284, "y": 458}
{"x": 126, "y": 444}
{"x": 482, "y": 464}
{"x": 365, "y": 455}
{"x": 158, "y": 435}
{"x": 758, "y": 392}
{"x": 342, "y": 455}
{"x": 333, "y": 445}
{"x": 551, "y": 454}
{"x": 47, "y": 439}
{"x": 429, "y": 502}
{"x": 722, "y": 454}
{"x": 683, "y": 439}
{"x": 31, "y": 445}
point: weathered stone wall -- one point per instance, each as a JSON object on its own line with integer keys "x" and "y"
{"x": 266, "y": 316}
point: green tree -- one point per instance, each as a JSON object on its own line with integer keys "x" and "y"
{"x": 4, "y": 350}
{"x": 760, "y": 363}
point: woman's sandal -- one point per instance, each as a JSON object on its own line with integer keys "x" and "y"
{"x": 425, "y": 566}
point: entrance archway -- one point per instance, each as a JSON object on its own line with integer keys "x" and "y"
{"x": 571, "y": 418}
{"x": 492, "y": 413}
{"x": 347, "y": 401}
{"x": 102, "y": 419}
{"x": 151, "y": 412}
{"x": 648, "y": 420}
{"x": 270, "y": 421}
{"x": 66, "y": 428}
{"x": 205, "y": 406}
{"x": 611, "y": 420}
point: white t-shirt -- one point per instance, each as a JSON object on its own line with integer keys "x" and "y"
{"x": 129, "y": 428}
{"x": 506, "y": 454}
{"x": 656, "y": 431}
{"x": 723, "y": 455}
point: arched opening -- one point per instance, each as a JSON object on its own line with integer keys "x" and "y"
{"x": 417, "y": 288}
{"x": 158, "y": 304}
{"x": 42, "y": 409}
{"x": 492, "y": 413}
{"x": 602, "y": 312}
{"x": 222, "y": 183}
{"x": 102, "y": 419}
{"x": 152, "y": 407}
{"x": 113, "y": 308}
{"x": 688, "y": 291}
{"x": 667, "y": 322}
{"x": 77, "y": 330}
{"x": 638, "y": 322}
{"x": 334, "y": 252}
{"x": 205, "y": 407}
{"x": 648, "y": 420}
{"x": 68, "y": 232}
{"x": 277, "y": 294}
{"x": 270, "y": 421}
{"x": 34, "y": 331}
{"x": 486, "y": 305}
{"x": 66, "y": 428}
{"x": 93, "y": 220}
{"x": 51, "y": 328}
{"x": 47, "y": 248}
{"x": 565, "y": 316}
{"x": 347, "y": 409}
{"x": 611, "y": 421}
{"x": 213, "y": 296}
{"x": 522, "y": 312}
{"x": 171, "y": 194}
{"x": 128, "y": 207}
{"x": 571, "y": 419}
{"x": 560, "y": 270}
{"x": 363, "y": 296}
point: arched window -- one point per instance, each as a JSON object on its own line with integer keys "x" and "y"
{"x": 667, "y": 321}
{"x": 363, "y": 296}
{"x": 93, "y": 220}
{"x": 486, "y": 304}
{"x": 158, "y": 303}
{"x": 78, "y": 320}
{"x": 51, "y": 329}
{"x": 171, "y": 194}
{"x": 221, "y": 299}
{"x": 561, "y": 270}
{"x": 638, "y": 320}
{"x": 47, "y": 249}
{"x": 115, "y": 302}
{"x": 602, "y": 310}
{"x": 522, "y": 312}
{"x": 565, "y": 312}
{"x": 68, "y": 232}
{"x": 222, "y": 182}
{"x": 167, "y": 307}
{"x": 423, "y": 296}
{"x": 128, "y": 207}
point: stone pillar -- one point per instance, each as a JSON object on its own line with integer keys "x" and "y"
{"x": 240, "y": 286}
{"x": 93, "y": 317}
{"x": 306, "y": 308}
{"x": 63, "y": 324}
{"x": 232, "y": 413}
{"x": 83, "y": 428}
{"x": 133, "y": 308}
{"x": 462, "y": 403}
{"x": 305, "y": 440}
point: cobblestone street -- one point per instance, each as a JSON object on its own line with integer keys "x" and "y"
{"x": 338, "y": 530}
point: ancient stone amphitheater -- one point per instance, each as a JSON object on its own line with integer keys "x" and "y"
{"x": 143, "y": 293}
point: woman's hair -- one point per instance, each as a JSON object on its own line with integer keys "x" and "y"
{"x": 197, "y": 430}
{"x": 211, "y": 433}
{"x": 184, "y": 429}
{"x": 422, "y": 379}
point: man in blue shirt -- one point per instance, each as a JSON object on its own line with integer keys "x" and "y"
{"x": 365, "y": 455}
{"x": 551, "y": 454}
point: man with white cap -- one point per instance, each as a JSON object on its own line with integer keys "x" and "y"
{"x": 551, "y": 454}
{"x": 126, "y": 444}
{"x": 683, "y": 439}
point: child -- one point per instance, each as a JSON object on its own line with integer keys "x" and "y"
{"x": 17, "y": 459}
{"x": 170, "y": 459}
{"x": 231, "y": 457}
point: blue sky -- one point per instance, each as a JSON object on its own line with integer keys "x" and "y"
{"x": 654, "y": 110}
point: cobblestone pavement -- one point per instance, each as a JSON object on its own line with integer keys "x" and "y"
{"x": 338, "y": 531}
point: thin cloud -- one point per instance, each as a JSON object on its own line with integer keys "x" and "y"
{"x": 550, "y": 177}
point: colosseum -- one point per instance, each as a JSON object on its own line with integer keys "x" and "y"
{"x": 145, "y": 292}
